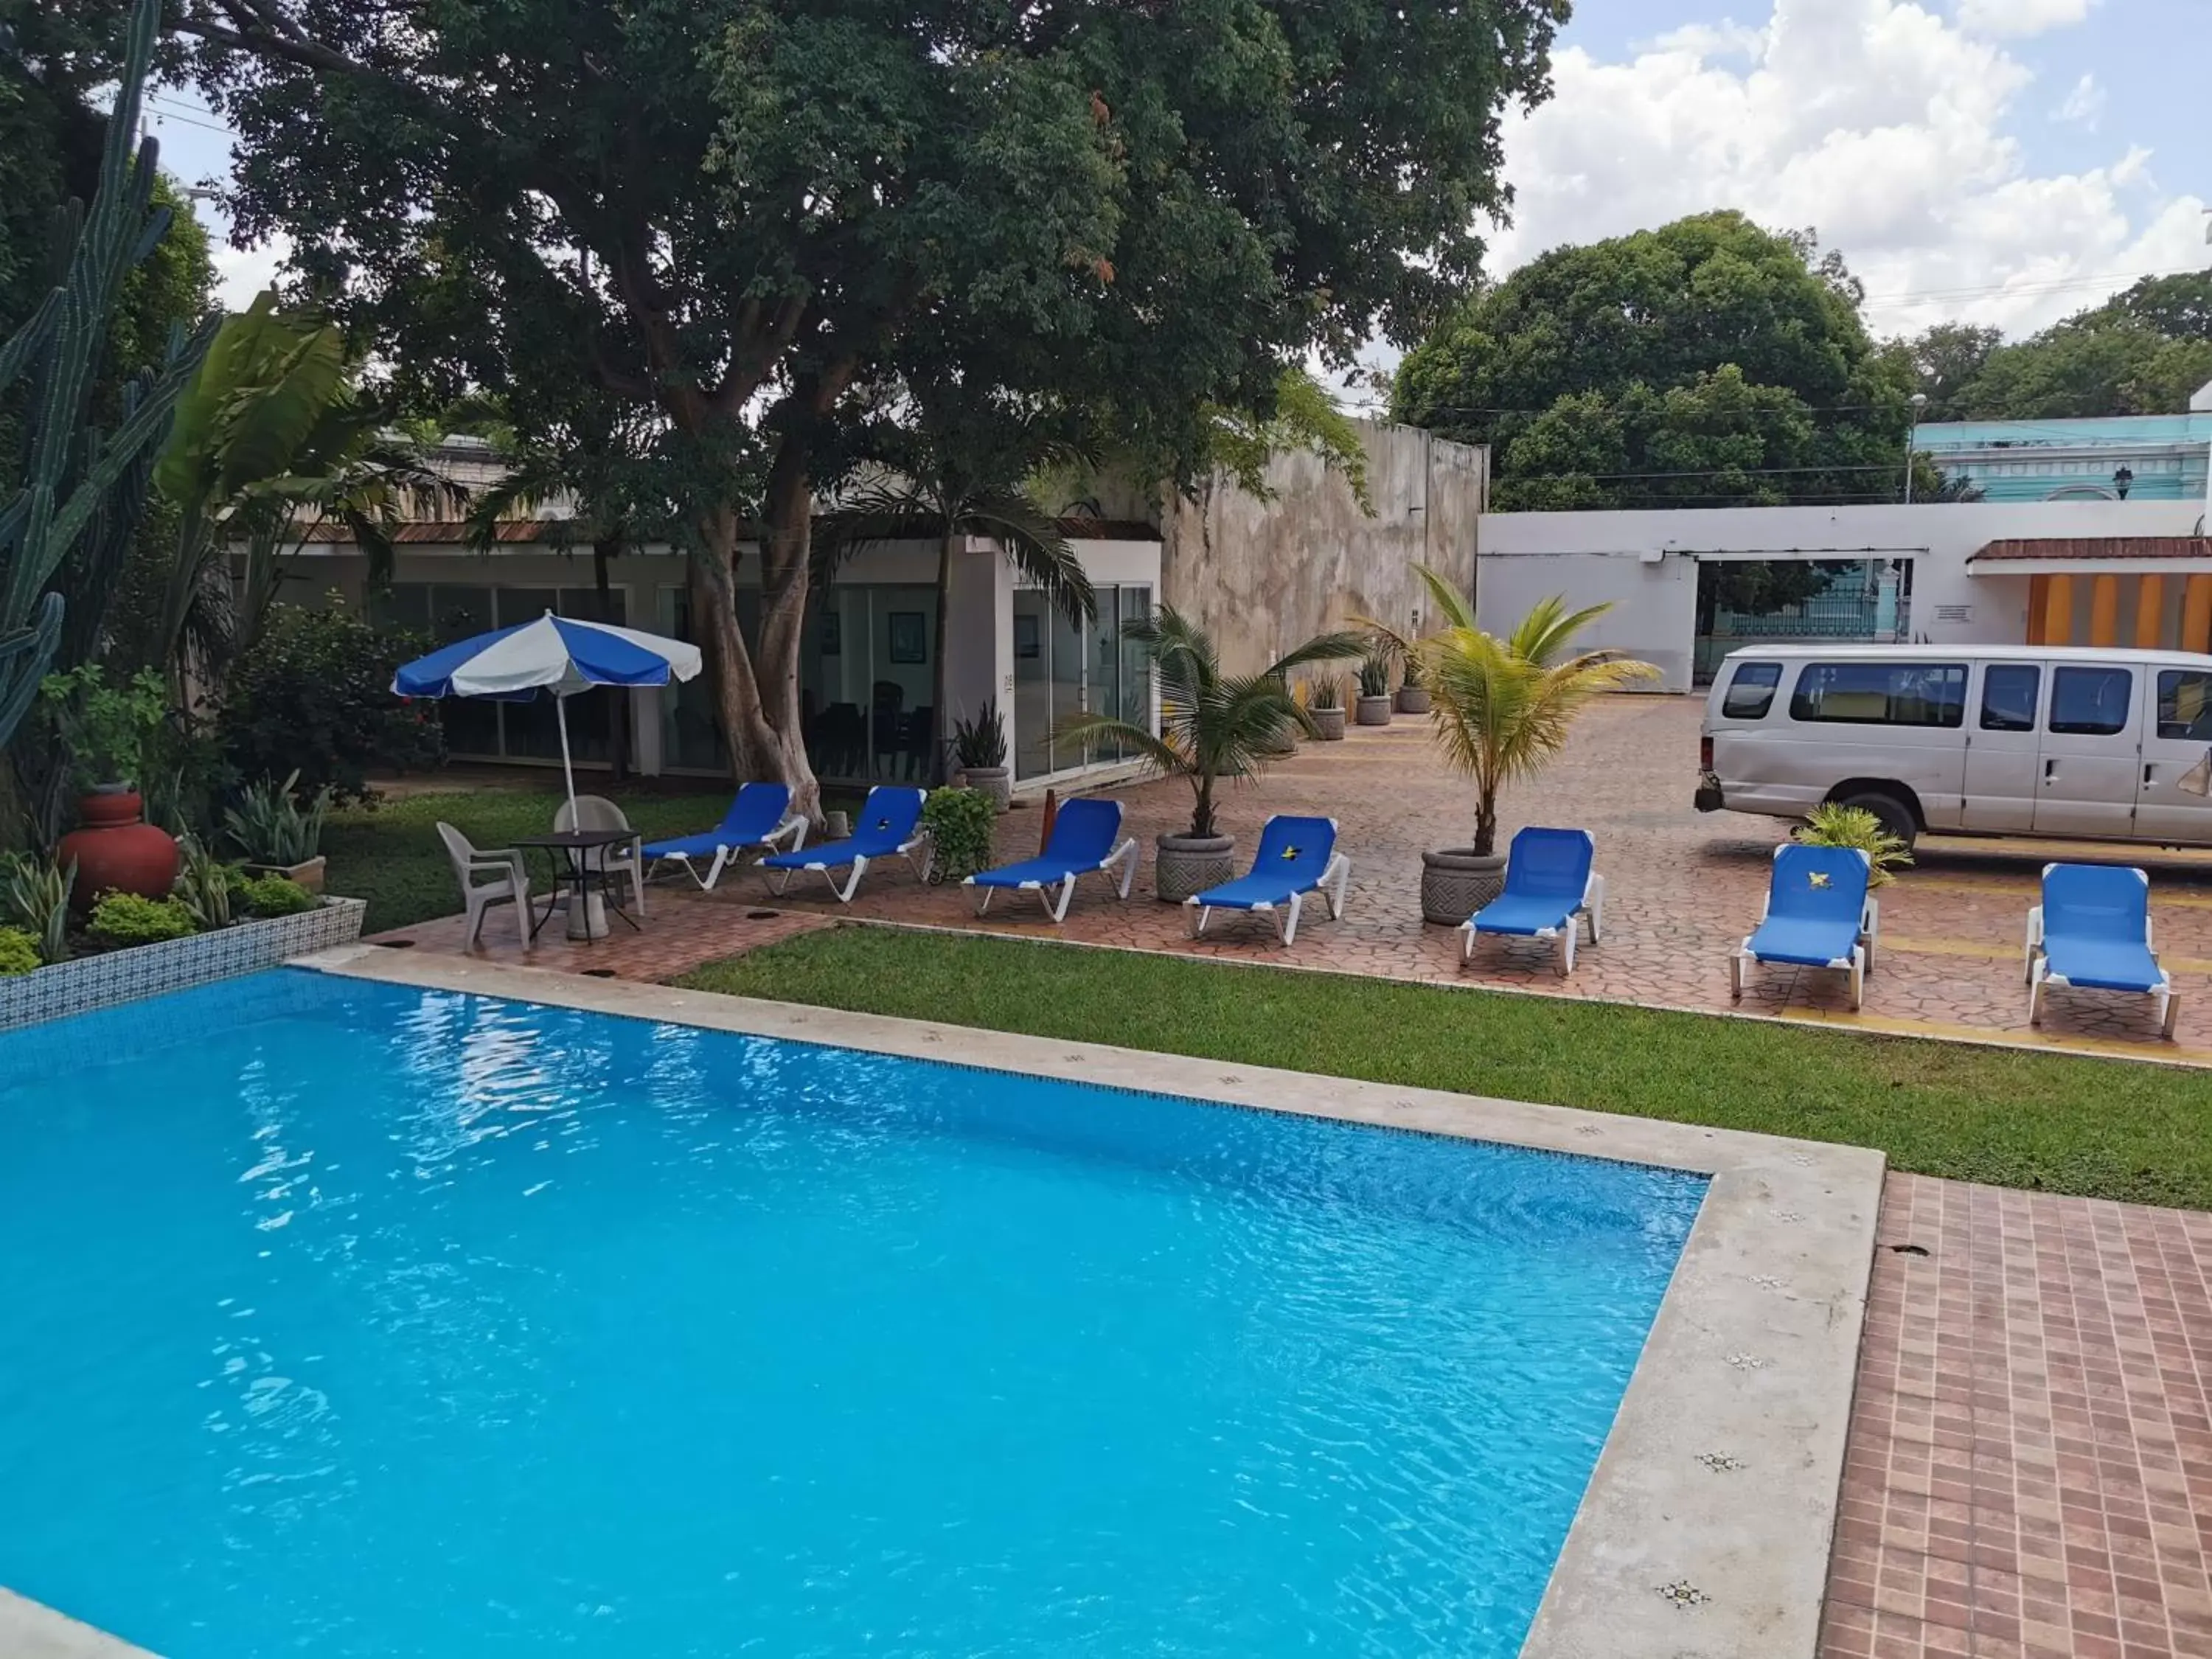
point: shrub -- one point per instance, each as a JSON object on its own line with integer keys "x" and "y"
{"x": 314, "y": 695}
{"x": 1327, "y": 691}
{"x": 107, "y": 730}
{"x": 1375, "y": 674}
{"x": 959, "y": 824}
{"x": 276, "y": 896}
{"x": 205, "y": 885}
{"x": 35, "y": 896}
{"x": 19, "y": 952}
{"x": 980, "y": 741}
{"x": 127, "y": 918}
{"x": 269, "y": 827}
{"x": 1831, "y": 825}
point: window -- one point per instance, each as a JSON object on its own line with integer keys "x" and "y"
{"x": 2008, "y": 693}
{"x": 1882, "y": 694}
{"x": 1751, "y": 693}
{"x": 2185, "y": 705}
{"x": 2089, "y": 703}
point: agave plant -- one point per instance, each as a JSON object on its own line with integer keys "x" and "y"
{"x": 35, "y": 896}
{"x": 1213, "y": 725}
{"x": 1502, "y": 707}
{"x": 205, "y": 885}
{"x": 269, "y": 826}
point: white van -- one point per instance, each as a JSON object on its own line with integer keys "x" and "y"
{"x": 1971, "y": 739}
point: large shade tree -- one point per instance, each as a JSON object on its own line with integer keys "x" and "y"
{"x": 732, "y": 211}
{"x": 1709, "y": 362}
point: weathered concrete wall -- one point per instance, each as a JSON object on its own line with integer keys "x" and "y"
{"x": 1264, "y": 576}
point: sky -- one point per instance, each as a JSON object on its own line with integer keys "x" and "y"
{"x": 1997, "y": 161}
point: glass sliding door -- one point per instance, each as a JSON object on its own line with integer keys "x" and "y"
{"x": 1060, "y": 668}
{"x": 1032, "y": 684}
{"x": 868, "y": 683}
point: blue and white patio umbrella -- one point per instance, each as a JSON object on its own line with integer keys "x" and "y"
{"x": 559, "y": 655}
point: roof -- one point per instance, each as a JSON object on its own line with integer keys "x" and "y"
{"x": 1953, "y": 653}
{"x": 2097, "y": 547}
{"x": 441, "y": 532}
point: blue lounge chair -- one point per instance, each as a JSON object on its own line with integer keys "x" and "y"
{"x": 1297, "y": 857}
{"x": 2092, "y": 932}
{"x": 1549, "y": 889}
{"x": 1086, "y": 838}
{"x": 889, "y": 826}
{"x": 1818, "y": 915}
{"x": 761, "y": 815}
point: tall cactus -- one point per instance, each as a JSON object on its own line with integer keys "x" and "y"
{"x": 81, "y": 491}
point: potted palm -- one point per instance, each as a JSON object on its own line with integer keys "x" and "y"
{"x": 980, "y": 746}
{"x": 1374, "y": 706}
{"x": 1325, "y": 707}
{"x": 1213, "y": 725}
{"x": 1501, "y": 709}
{"x": 1413, "y": 696}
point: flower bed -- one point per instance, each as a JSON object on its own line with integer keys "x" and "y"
{"x": 146, "y": 970}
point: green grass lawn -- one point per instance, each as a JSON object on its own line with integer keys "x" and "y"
{"x": 2105, "y": 1128}
{"x": 390, "y": 855}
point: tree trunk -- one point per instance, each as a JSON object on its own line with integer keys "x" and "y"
{"x": 603, "y": 554}
{"x": 756, "y": 698}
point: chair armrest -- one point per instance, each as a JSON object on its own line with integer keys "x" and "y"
{"x": 2034, "y": 926}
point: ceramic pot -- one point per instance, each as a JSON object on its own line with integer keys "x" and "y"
{"x": 996, "y": 781}
{"x": 309, "y": 875}
{"x": 1372, "y": 711}
{"x": 116, "y": 851}
{"x": 1458, "y": 881}
{"x": 1190, "y": 864}
{"x": 1328, "y": 723}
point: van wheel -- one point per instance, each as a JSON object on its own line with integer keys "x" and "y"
{"x": 1894, "y": 816}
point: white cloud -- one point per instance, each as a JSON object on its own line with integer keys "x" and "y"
{"x": 2021, "y": 16}
{"x": 2084, "y": 107}
{"x": 242, "y": 272}
{"x": 1878, "y": 122}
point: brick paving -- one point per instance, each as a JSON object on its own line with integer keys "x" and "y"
{"x": 2029, "y": 1473}
{"x": 2030, "y": 1465}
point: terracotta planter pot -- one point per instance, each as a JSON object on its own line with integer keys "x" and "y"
{"x": 1190, "y": 864}
{"x": 1412, "y": 699}
{"x": 116, "y": 851}
{"x": 996, "y": 781}
{"x": 1328, "y": 723}
{"x": 1458, "y": 881}
{"x": 1372, "y": 711}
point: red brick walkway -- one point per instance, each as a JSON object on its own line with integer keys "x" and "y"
{"x": 2030, "y": 1465}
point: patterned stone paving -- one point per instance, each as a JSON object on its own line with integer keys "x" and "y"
{"x": 2030, "y": 1465}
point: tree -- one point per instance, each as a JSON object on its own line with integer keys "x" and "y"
{"x": 2091, "y": 366}
{"x": 1214, "y": 726}
{"x": 1707, "y": 362}
{"x": 733, "y": 212}
{"x": 1502, "y": 709}
{"x": 273, "y": 436}
{"x": 1943, "y": 361}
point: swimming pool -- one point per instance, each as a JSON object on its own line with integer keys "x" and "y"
{"x": 361, "y": 1319}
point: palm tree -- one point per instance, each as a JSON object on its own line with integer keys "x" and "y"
{"x": 1502, "y": 709}
{"x": 273, "y": 437}
{"x": 1213, "y": 724}
{"x": 961, "y": 469}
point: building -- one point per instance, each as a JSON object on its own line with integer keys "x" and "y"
{"x": 2135, "y": 457}
{"x": 1262, "y": 573}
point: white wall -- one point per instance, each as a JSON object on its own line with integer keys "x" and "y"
{"x": 1645, "y": 563}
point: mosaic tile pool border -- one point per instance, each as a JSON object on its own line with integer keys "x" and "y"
{"x": 177, "y": 964}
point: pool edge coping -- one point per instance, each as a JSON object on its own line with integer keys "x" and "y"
{"x": 1706, "y": 1529}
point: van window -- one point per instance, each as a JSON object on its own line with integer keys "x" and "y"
{"x": 2089, "y": 703}
{"x": 2009, "y": 691}
{"x": 2185, "y": 704}
{"x": 1882, "y": 694}
{"x": 1751, "y": 693}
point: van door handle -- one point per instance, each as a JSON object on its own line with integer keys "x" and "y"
{"x": 2148, "y": 770}
{"x": 2050, "y": 770}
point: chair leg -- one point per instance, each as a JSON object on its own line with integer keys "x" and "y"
{"x": 2169, "y": 1006}
{"x": 1593, "y": 901}
{"x": 2035, "y": 983}
{"x": 1289, "y": 929}
{"x": 1858, "y": 971}
{"x": 1467, "y": 938}
{"x": 1568, "y": 935}
{"x": 722, "y": 861}
{"x": 1735, "y": 977}
{"x": 983, "y": 900}
{"x": 1128, "y": 858}
{"x": 1058, "y": 911}
{"x": 476, "y": 908}
{"x": 777, "y": 881}
{"x": 852, "y": 882}
{"x": 1196, "y": 915}
{"x": 1336, "y": 895}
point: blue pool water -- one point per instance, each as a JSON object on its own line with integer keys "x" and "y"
{"x": 345, "y": 1319}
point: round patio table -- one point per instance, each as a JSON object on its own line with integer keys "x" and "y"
{"x": 583, "y": 878}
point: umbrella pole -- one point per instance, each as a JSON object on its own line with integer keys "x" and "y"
{"x": 567, "y": 768}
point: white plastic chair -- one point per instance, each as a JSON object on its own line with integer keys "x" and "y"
{"x": 510, "y": 885}
{"x": 598, "y": 812}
